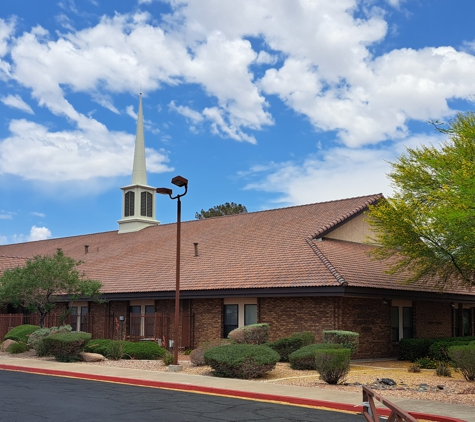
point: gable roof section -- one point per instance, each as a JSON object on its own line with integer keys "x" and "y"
{"x": 10, "y": 262}
{"x": 260, "y": 250}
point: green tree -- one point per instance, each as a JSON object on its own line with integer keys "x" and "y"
{"x": 39, "y": 284}
{"x": 429, "y": 223}
{"x": 223, "y": 209}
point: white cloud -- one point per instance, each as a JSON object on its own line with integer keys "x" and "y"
{"x": 16, "y": 101}
{"x": 130, "y": 111}
{"x": 39, "y": 233}
{"x": 38, "y": 214}
{"x": 336, "y": 173}
{"x": 71, "y": 155}
{"x": 187, "y": 112}
{"x": 6, "y": 216}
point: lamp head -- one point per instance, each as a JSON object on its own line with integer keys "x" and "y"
{"x": 164, "y": 191}
{"x": 180, "y": 181}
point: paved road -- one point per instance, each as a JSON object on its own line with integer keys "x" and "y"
{"x": 41, "y": 398}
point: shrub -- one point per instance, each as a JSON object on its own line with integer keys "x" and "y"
{"x": 197, "y": 356}
{"x": 443, "y": 369}
{"x": 348, "y": 339}
{"x": 21, "y": 333}
{"x": 464, "y": 360}
{"x": 168, "y": 358}
{"x": 16, "y": 348}
{"x": 35, "y": 340}
{"x": 332, "y": 364}
{"x": 307, "y": 337}
{"x": 142, "y": 350}
{"x": 439, "y": 349}
{"x": 414, "y": 348}
{"x": 304, "y": 358}
{"x": 65, "y": 347}
{"x": 241, "y": 360}
{"x": 250, "y": 334}
{"x": 285, "y": 346}
{"x": 114, "y": 350}
{"x": 98, "y": 345}
{"x": 426, "y": 363}
{"x": 415, "y": 367}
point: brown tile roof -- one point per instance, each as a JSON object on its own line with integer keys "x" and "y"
{"x": 266, "y": 249}
{"x": 9, "y": 262}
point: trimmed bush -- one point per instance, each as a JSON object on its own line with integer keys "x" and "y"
{"x": 98, "y": 345}
{"x": 16, "y": 348}
{"x": 35, "y": 340}
{"x": 142, "y": 350}
{"x": 304, "y": 358}
{"x": 307, "y": 337}
{"x": 439, "y": 349}
{"x": 417, "y": 348}
{"x": 348, "y": 339}
{"x": 21, "y": 333}
{"x": 332, "y": 364}
{"x": 250, "y": 334}
{"x": 464, "y": 360}
{"x": 244, "y": 361}
{"x": 65, "y": 347}
{"x": 287, "y": 345}
{"x": 197, "y": 356}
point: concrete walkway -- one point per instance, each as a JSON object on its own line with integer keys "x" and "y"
{"x": 337, "y": 400}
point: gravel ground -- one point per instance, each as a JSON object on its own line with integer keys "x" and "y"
{"x": 425, "y": 385}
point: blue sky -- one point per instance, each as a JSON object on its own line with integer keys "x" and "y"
{"x": 267, "y": 103}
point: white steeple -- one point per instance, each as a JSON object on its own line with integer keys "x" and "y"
{"x": 138, "y": 199}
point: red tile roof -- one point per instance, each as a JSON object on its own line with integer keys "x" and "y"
{"x": 266, "y": 249}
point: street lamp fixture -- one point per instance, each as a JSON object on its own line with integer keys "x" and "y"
{"x": 181, "y": 182}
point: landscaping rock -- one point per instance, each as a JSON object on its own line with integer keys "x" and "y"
{"x": 6, "y": 344}
{"x": 387, "y": 381}
{"x": 91, "y": 357}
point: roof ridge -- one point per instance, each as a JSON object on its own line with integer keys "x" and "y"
{"x": 338, "y": 277}
{"x": 323, "y": 229}
{"x": 371, "y": 198}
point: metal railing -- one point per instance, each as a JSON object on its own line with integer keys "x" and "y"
{"x": 370, "y": 411}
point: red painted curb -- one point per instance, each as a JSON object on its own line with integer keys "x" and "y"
{"x": 222, "y": 391}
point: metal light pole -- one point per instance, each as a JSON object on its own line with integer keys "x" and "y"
{"x": 182, "y": 183}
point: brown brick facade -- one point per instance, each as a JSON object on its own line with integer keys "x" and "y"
{"x": 208, "y": 319}
{"x": 432, "y": 319}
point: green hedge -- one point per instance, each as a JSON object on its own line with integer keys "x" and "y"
{"x": 304, "y": 358}
{"x": 16, "y": 348}
{"x": 141, "y": 350}
{"x": 65, "y": 347}
{"x": 244, "y": 361}
{"x": 35, "y": 340}
{"x": 21, "y": 333}
{"x": 98, "y": 345}
{"x": 439, "y": 350}
{"x": 418, "y": 348}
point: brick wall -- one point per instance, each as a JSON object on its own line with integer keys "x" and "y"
{"x": 432, "y": 319}
{"x": 208, "y": 319}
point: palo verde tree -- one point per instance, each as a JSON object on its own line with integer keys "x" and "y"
{"x": 223, "y": 209}
{"x": 429, "y": 223}
{"x": 38, "y": 285}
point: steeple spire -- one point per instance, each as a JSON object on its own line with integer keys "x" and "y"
{"x": 139, "y": 172}
{"x": 138, "y": 200}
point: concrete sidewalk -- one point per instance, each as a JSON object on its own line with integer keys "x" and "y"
{"x": 337, "y": 400}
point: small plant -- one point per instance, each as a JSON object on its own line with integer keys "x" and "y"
{"x": 115, "y": 350}
{"x": 427, "y": 363}
{"x": 167, "y": 358}
{"x": 187, "y": 352}
{"x": 443, "y": 369}
{"x": 414, "y": 367}
{"x": 241, "y": 360}
{"x": 250, "y": 334}
{"x": 333, "y": 364}
{"x": 16, "y": 348}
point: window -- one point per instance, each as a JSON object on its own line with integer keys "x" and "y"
{"x": 142, "y": 319}
{"x": 401, "y": 320}
{"x": 146, "y": 204}
{"x": 466, "y": 325}
{"x": 79, "y": 317}
{"x": 129, "y": 204}
{"x": 237, "y": 313}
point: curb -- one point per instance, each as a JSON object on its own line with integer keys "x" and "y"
{"x": 298, "y": 401}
